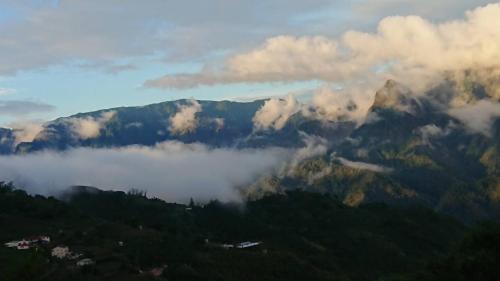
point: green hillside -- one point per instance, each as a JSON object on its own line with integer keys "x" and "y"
{"x": 305, "y": 236}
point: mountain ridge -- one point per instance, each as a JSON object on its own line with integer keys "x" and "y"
{"x": 432, "y": 157}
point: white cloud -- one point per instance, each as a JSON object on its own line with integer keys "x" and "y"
{"x": 364, "y": 166}
{"x": 134, "y": 125}
{"x": 314, "y": 146}
{"x": 340, "y": 105}
{"x": 478, "y": 117}
{"x": 286, "y": 58}
{"x": 283, "y": 58}
{"x": 431, "y": 131}
{"x": 90, "y": 127}
{"x": 410, "y": 49}
{"x": 172, "y": 171}
{"x": 185, "y": 121}
{"x": 275, "y": 113}
{"x": 26, "y": 131}
{"x": 219, "y": 123}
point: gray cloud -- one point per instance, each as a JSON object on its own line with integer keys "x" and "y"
{"x": 107, "y": 31}
{"x": 429, "y": 132}
{"x": 19, "y": 108}
{"x": 115, "y": 69}
{"x": 477, "y": 117}
{"x": 172, "y": 171}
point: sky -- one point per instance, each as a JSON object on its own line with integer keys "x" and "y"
{"x": 58, "y": 58}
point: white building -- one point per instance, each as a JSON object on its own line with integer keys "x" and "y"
{"x": 247, "y": 244}
{"x": 20, "y": 245}
{"x": 23, "y": 245}
{"x": 85, "y": 262}
{"x": 44, "y": 239}
{"x": 28, "y": 242}
{"x": 61, "y": 252}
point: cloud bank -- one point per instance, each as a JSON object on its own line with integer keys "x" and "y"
{"x": 185, "y": 121}
{"x": 171, "y": 170}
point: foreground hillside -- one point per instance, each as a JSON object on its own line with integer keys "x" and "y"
{"x": 303, "y": 236}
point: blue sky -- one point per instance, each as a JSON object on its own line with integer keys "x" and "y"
{"x": 72, "y": 89}
{"x": 84, "y": 55}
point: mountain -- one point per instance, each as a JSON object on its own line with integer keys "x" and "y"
{"x": 219, "y": 124}
{"x": 396, "y": 197}
{"x": 6, "y": 141}
{"x": 395, "y": 96}
{"x": 411, "y": 152}
{"x": 410, "y": 149}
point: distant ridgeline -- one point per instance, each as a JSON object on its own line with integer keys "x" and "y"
{"x": 410, "y": 150}
{"x": 215, "y": 123}
{"x": 97, "y": 235}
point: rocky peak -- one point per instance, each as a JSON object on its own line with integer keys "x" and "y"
{"x": 396, "y": 96}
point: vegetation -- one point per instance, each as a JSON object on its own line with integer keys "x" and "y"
{"x": 305, "y": 236}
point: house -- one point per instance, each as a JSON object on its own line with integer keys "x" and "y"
{"x": 23, "y": 245}
{"x": 45, "y": 239}
{"x": 158, "y": 271}
{"x": 20, "y": 245}
{"x": 38, "y": 239}
{"x": 247, "y": 244}
{"x": 85, "y": 262}
{"x": 27, "y": 243}
{"x": 61, "y": 252}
